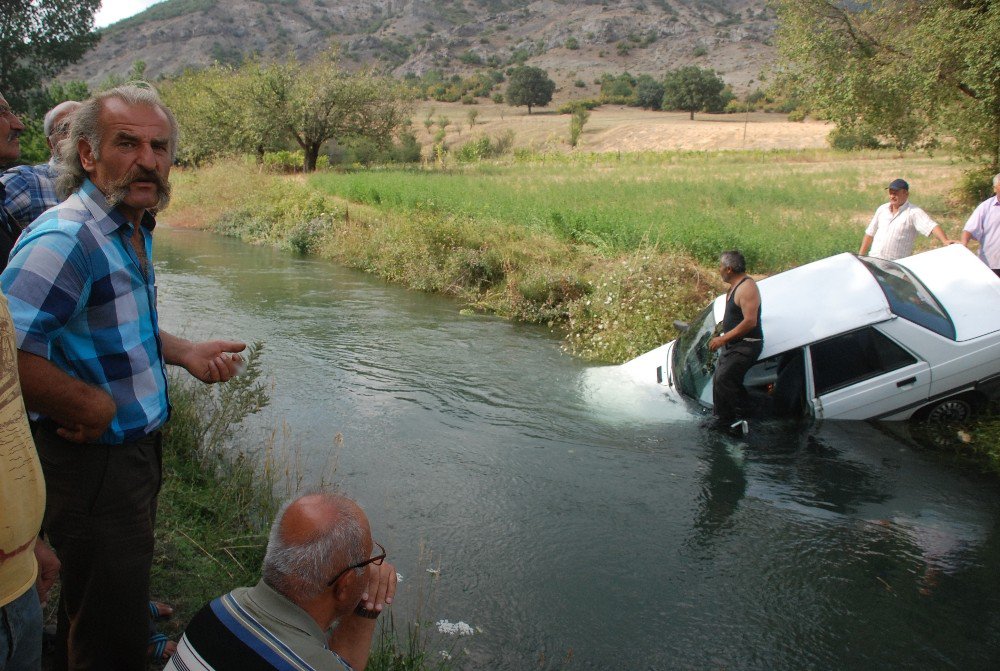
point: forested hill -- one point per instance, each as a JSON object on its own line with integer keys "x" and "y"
{"x": 574, "y": 40}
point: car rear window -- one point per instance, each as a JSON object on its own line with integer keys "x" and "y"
{"x": 908, "y": 297}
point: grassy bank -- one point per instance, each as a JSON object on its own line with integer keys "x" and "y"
{"x": 218, "y": 498}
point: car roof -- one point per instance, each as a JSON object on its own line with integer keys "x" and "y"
{"x": 816, "y": 301}
{"x": 838, "y": 294}
{"x": 964, "y": 285}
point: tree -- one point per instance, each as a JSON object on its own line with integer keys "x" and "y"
{"x": 648, "y": 92}
{"x": 318, "y": 101}
{"x": 693, "y": 89}
{"x": 529, "y": 86}
{"x": 911, "y": 72}
{"x": 37, "y": 39}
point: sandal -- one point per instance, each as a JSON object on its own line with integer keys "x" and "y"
{"x": 159, "y": 611}
{"x": 160, "y": 647}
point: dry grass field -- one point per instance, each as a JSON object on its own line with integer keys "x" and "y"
{"x": 613, "y": 128}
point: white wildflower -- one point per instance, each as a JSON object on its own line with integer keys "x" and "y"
{"x": 453, "y": 628}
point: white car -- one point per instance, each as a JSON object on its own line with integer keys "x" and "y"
{"x": 851, "y": 337}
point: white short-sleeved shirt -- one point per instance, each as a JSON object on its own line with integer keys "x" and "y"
{"x": 984, "y": 226}
{"x": 893, "y": 235}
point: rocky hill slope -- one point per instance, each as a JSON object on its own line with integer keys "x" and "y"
{"x": 574, "y": 40}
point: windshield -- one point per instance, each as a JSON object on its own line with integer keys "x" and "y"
{"x": 908, "y": 298}
{"x": 693, "y": 364}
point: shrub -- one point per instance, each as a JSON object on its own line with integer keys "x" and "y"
{"x": 850, "y": 139}
{"x": 572, "y": 43}
{"x": 797, "y": 115}
{"x": 580, "y": 84}
{"x": 573, "y": 105}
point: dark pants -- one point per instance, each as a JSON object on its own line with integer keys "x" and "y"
{"x": 729, "y": 396}
{"x": 99, "y": 516}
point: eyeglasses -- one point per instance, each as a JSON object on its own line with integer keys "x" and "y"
{"x": 377, "y": 560}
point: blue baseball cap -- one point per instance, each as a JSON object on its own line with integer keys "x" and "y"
{"x": 897, "y": 184}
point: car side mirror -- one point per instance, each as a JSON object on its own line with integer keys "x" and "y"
{"x": 681, "y": 326}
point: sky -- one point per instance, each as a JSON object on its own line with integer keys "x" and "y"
{"x": 116, "y": 10}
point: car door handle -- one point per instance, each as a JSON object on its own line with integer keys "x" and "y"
{"x": 903, "y": 383}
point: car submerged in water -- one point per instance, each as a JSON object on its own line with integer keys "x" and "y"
{"x": 859, "y": 338}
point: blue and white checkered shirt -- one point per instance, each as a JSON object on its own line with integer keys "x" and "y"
{"x": 30, "y": 191}
{"x": 78, "y": 298}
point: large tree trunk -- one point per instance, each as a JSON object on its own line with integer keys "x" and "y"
{"x": 311, "y": 155}
{"x": 692, "y": 115}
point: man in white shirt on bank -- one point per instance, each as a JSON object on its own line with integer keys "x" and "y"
{"x": 893, "y": 229}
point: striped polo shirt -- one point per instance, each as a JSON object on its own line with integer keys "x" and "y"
{"x": 79, "y": 298}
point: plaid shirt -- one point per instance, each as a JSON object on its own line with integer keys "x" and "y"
{"x": 78, "y": 298}
{"x": 30, "y": 191}
{"x": 8, "y": 231}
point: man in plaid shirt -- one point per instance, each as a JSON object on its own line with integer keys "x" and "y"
{"x": 10, "y": 148}
{"x": 91, "y": 355}
{"x": 32, "y": 189}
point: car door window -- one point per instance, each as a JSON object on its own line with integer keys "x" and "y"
{"x": 853, "y": 357}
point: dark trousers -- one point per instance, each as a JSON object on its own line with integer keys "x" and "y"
{"x": 729, "y": 396}
{"x": 99, "y": 516}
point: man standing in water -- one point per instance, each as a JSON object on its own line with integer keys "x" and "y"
{"x": 741, "y": 341}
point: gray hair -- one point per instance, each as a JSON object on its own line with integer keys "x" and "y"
{"x": 301, "y": 571}
{"x": 996, "y": 180}
{"x": 733, "y": 259}
{"x": 86, "y": 126}
{"x": 55, "y": 112}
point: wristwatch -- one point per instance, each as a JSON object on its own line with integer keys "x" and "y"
{"x": 364, "y": 612}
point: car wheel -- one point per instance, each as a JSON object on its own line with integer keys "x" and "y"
{"x": 955, "y": 409}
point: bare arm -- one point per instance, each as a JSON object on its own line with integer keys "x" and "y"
{"x": 209, "y": 361}
{"x": 966, "y": 238}
{"x": 352, "y": 637}
{"x": 748, "y": 298}
{"x": 938, "y": 233}
{"x": 866, "y": 244}
{"x": 83, "y": 411}
{"x": 48, "y": 569}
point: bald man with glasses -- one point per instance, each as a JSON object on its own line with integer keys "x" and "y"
{"x": 324, "y": 583}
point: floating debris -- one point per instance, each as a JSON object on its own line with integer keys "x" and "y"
{"x": 434, "y": 571}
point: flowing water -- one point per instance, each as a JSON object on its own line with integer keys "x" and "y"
{"x": 575, "y": 519}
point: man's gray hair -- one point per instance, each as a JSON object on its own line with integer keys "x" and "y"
{"x": 52, "y": 114}
{"x": 86, "y": 125}
{"x": 996, "y": 180}
{"x": 301, "y": 571}
{"x": 733, "y": 259}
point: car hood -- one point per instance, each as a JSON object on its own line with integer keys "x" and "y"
{"x": 967, "y": 289}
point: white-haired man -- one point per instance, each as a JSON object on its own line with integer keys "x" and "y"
{"x": 984, "y": 227}
{"x": 319, "y": 572}
{"x": 91, "y": 357}
{"x": 32, "y": 189}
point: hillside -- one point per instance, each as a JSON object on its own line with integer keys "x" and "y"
{"x": 575, "y": 40}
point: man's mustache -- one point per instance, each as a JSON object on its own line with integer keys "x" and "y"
{"x": 118, "y": 189}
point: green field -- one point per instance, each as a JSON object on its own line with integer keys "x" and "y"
{"x": 780, "y": 208}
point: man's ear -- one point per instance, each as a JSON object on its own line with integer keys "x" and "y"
{"x": 86, "y": 154}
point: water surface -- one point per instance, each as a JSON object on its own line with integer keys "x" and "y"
{"x": 578, "y": 520}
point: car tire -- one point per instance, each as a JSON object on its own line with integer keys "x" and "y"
{"x": 949, "y": 410}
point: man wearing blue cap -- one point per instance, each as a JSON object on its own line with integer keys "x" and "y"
{"x": 893, "y": 229}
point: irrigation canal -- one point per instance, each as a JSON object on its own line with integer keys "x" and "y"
{"x": 577, "y": 521}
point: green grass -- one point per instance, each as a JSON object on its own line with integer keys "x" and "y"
{"x": 780, "y": 208}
